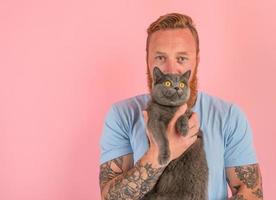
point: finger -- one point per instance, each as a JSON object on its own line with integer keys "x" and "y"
{"x": 191, "y": 133}
{"x": 194, "y": 135}
{"x": 193, "y": 130}
{"x": 181, "y": 110}
{"x": 193, "y": 122}
{"x": 190, "y": 141}
{"x": 145, "y": 115}
{"x": 193, "y": 126}
{"x": 193, "y": 139}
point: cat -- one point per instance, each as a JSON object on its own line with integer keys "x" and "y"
{"x": 185, "y": 178}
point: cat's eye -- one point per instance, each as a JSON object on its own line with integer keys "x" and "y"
{"x": 181, "y": 85}
{"x": 167, "y": 83}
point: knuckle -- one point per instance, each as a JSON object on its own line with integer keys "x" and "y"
{"x": 182, "y": 109}
{"x": 192, "y": 120}
{"x": 194, "y": 117}
{"x": 169, "y": 128}
{"x": 191, "y": 125}
{"x": 184, "y": 141}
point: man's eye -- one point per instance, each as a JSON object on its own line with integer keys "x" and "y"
{"x": 181, "y": 59}
{"x": 160, "y": 58}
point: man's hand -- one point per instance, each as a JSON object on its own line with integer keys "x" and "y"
{"x": 177, "y": 143}
{"x": 119, "y": 179}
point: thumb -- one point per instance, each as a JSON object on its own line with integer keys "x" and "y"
{"x": 149, "y": 135}
{"x": 181, "y": 110}
{"x": 145, "y": 115}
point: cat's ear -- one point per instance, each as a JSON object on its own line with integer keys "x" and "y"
{"x": 157, "y": 74}
{"x": 186, "y": 75}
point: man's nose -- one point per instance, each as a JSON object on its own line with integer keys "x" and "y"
{"x": 172, "y": 67}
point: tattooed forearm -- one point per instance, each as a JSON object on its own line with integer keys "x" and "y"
{"x": 107, "y": 173}
{"x": 250, "y": 180}
{"x": 245, "y": 182}
{"x": 135, "y": 183}
{"x": 249, "y": 175}
{"x": 258, "y": 193}
{"x": 234, "y": 188}
{"x": 238, "y": 197}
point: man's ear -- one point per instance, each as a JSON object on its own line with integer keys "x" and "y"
{"x": 198, "y": 58}
{"x": 157, "y": 74}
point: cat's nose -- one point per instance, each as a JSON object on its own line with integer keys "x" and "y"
{"x": 176, "y": 88}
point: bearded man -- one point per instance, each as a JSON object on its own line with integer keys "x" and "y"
{"x": 129, "y": 165}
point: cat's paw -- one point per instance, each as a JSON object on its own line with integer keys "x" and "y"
{"x": 182, "y": 125}
{"x": 163, "y": 158}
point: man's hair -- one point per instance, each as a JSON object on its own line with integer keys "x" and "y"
{"x": 173, "y": 21}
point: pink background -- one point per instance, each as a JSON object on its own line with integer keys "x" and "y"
{"x": 62, "y": 63}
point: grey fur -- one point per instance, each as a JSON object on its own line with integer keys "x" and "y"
{"x": 185, "y": 178}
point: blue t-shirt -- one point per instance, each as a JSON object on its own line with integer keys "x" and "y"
{"x": 226, "y": 133}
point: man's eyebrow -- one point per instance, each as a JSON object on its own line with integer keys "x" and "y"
{"x": 159, "y": 52}
{"x": 183, "y": 52}
{"x": 180, "y": 52}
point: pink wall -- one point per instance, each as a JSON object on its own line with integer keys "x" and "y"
{"x": 62, "y": 63}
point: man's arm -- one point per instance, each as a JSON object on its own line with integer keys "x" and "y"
{"x": 115, "y": 167}
{"x": 245, "y": 182}
{"x": 119, "y": 179}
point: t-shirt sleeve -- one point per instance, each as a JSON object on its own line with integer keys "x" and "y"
{"x": 239, "y": 148}
{"x": 114, "y": 140}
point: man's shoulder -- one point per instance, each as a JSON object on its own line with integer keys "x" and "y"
{"x": 205, "y": 100}
{"x": 134, "y": 103}
{"x": 209, "y": 101}
{"x": 213, "y": 106}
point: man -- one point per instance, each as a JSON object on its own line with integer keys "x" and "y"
{"x": 129, "y": 165}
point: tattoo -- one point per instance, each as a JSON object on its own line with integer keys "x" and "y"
{"x": 249, "y": 175}
{"x": 236, "y": 187}
{"x": 135, "y": 183}
{"x": 258, "y": 193}
{"x": 106, "y": 172}
{"x": 238, "y": 197}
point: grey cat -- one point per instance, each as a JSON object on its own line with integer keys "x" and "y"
{"x": 185, "y": 178}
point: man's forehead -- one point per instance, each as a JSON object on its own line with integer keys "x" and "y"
{"x": 180, "y": 40}
{"x": 172, "y": 50}
{"x": 176, "y": 34}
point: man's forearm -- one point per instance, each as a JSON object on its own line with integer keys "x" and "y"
{"x": 247, "y": 194}
{"x": 134, "y": 183}
{"x": 258, "y": 195}
{"x": 245, "y": 182}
